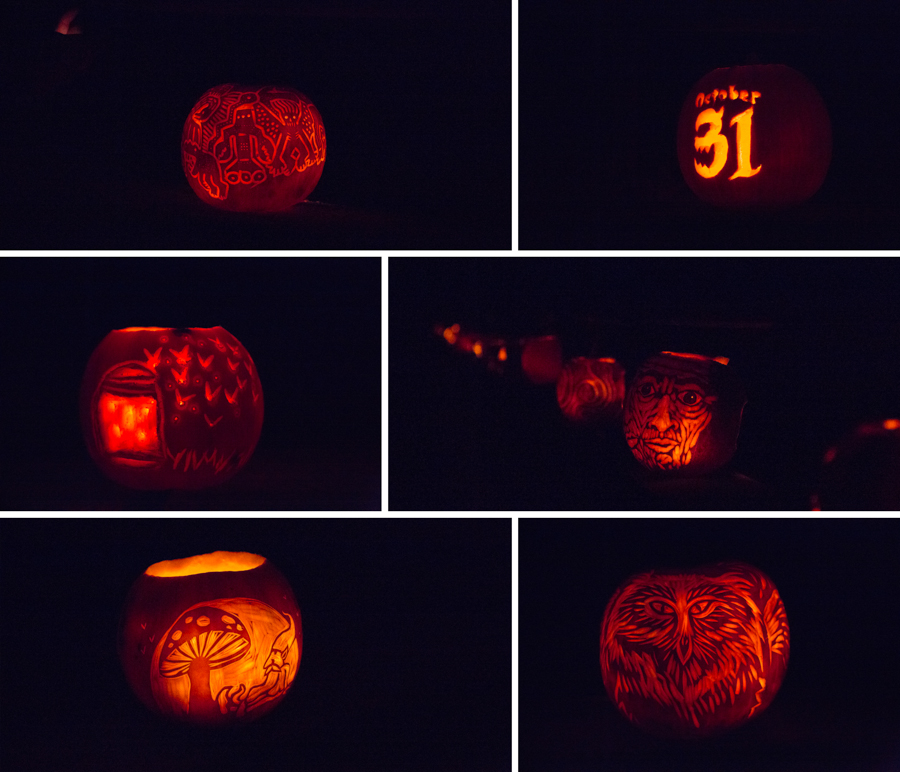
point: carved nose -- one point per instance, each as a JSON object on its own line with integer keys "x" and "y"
{"x": 684, "y": 648}
{"x": 661, "y": 419}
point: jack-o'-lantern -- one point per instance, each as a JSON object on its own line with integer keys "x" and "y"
{"x": 693, "y": 653}
{"x": 211, "y": 639}
{"x": 591, "y": 390}
{"x": 754, "y": 136}
{"x": 171, "y": 407}
{"x": 542, "y": 359}
{"x": 253, "y": 149}
{"x": 862, "y": 472}
{"x": 682, "y": 413}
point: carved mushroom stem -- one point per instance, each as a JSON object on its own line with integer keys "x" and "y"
{"x": 201, "y": 700}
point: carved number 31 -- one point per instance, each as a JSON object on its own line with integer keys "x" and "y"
{"x": 714, "y": 139}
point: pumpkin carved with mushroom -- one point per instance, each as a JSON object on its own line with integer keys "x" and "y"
{"x": 211, "y": 639}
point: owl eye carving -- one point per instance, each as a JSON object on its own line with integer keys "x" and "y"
{"x": 694, "y": 653}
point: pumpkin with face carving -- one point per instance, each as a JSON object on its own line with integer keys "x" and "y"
{"x": 683, "y": 413}
{"x": 694, "y": 653}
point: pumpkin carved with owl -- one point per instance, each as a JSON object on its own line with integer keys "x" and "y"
{"x": 689, "y": 654}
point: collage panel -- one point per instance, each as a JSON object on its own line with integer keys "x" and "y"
{"x": 706, "y": 126}
{"x": 692, "y": 644}
{"x": 252, "y": 643}
{"x": 644, "y": 384}
{"x": 192, "y": 383}
{"x": 259, "y": 125}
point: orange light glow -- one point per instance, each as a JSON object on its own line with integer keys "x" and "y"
{"x": 65, "y": 26}
{"x": 128, "y": 424}
{"x": 720, "y": 360}
{"x": 477, "y": 348}
{"x": 204, "y": 564}
{"x": 891, "y": 423}
{"x": 501, "y": 354}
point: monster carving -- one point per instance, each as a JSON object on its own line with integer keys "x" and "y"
{"x": 591, "y": 389}
{"x": 694, "y": 653}
{"x": 683, "y": 413}
{"x": 253, "y": 149}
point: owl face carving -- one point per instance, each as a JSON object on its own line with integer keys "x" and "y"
{"x": 694, "y": 653}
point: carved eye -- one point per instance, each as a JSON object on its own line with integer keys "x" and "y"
{"x": 658, "y": 606}
{"x": 702, "y": 608}
{"x": 646, "y": 389}
{"x": 689, "y": 398}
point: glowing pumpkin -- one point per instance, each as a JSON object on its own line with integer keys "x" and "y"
{"x": 211, "y": 639}
{"x": 683, "y": 413}
{"x": 169, "y": 407}
{"x": 253, "y": 149}
{"x": 542, "y": 359}
{"x": 754, "y": 136}
{"x": 591, "y": 390}
{"x": 694, "y": 653}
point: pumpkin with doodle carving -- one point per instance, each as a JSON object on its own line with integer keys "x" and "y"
{"x": 693, "y": 653}
{"x": 212, "y": 639}
{"x": 166, "y": 407}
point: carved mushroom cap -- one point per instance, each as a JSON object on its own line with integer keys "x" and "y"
{"x": 206, "y": 633}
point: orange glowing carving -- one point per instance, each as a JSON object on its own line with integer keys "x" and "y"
{"x": 211, "y": 639}
{"x": 591, "y": 390}
{"x": 65, "y": 25}
{"x": 141, "y": 408}
{"x": 683, "y": 413}
{"x": 694, "y": 653}
{"x": 253, "y": 149}
{"x": 754, "y": 136}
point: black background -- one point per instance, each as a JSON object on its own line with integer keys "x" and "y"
{"x": 312, "y": 326}
{"x": 415, "y": 97}
{"x": 406, "y": 652}
{"x": 815, "y": 341}
{"x": 836, "y": 710}
{"x": 600, "y": 90}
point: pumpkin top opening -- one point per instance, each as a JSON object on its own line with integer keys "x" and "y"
{"x": 159, "y": 329}
{"x": 205, "y": 564}
{"x": 720, "y": 360}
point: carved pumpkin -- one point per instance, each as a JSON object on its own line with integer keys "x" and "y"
{"x": 694, "y": 653}
{"x": 683, "y": 413}
{"x": 211, "y": 639}
{"x": 591, "y": 390}
{"x": 253, "y": 149}
{"x": 542, "y": 359}
{"x": 171, "y": 408}
{"x": 754, "y": 136}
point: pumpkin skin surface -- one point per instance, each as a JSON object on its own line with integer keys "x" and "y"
{"x": 690, "y": 654}
{"x": 218, "y": 646}
{"x": 682, "y": 413}
{"x": 756, "y": 136}
{"x": 253, "y": 149}
{"x": 591, "y": 390}
{"x": 171, "y": 408}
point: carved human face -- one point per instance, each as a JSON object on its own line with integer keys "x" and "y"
{"x": 671, "y": 411}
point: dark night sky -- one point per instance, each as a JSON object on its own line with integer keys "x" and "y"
{"x": 600, "y": 90}
{"x": 836, "y": 710}
{"x": 312, "y": 326}
{"x": 813, "y": 339}
{"x": 406, "y": 656}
